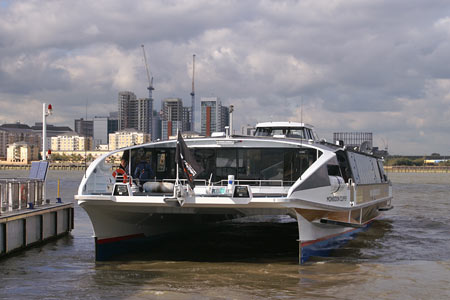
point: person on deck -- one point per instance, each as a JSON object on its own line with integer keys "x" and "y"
{"x": 124, "y": 165}
{"x": 144, "y": 170}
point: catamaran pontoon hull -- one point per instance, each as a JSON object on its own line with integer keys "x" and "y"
{"x": 331, "y": 191}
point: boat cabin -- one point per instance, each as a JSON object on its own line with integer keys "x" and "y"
{"x": 286, "y": 130}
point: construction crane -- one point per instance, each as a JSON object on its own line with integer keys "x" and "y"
{"x": 150, "y": 80}
{"x": 193, "y": 95}
{"x": 150, "y": 97}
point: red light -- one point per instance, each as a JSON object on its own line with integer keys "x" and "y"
{"x": 49, "y": 107}
{"x": 49, "y": 152}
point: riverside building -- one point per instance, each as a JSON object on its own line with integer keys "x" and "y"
{"x": 214, "y": 116}
{"x": 135, "y": 113}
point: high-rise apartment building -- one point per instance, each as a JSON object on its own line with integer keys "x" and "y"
{"x": 135, "y": 113}
{"x": 214, "y": 116}
{"x": 172, "y": 117}
{"x": 187, "y": 117}
{"x": 156, "y": 127}
{"x": 127, "y": 104}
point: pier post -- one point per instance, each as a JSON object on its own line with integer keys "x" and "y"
{"x": 10, "y": 197}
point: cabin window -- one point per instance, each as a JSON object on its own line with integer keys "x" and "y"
{"x": 261, "y": 164}
{"x": 334, "y": 170}
{"x": 207, "y": 159}
{"x": 162, "y": 162}
{"x": 266, "y": 164}
{"x": 301, "y": 133}
{"x": 270, "y": 165}
{"x": 226, "y": 162}
{"x": 263, "y": 132}
{"x": 279, "y": 131}
{"x": 297, "y": 133}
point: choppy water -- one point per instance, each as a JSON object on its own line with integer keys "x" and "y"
{"x": 405, "y": 255}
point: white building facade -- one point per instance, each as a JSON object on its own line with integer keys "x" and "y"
{"x": 127, "y": 138}
{"x": 71, "y": 142}
{"x": 22, "y": 153}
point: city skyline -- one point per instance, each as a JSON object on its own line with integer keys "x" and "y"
{"x": 342, "y": 66}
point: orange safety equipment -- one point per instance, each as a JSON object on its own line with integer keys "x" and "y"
{"x": 120, "y": 172}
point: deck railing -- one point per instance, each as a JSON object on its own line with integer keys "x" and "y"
{"x": 20, "y": 193}
{"x": 252, "y": 182}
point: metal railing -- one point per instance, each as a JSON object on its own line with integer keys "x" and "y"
{"x": 224, "y": 182}
{"x": 20, "y": 193}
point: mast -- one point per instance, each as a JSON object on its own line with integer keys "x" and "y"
{"x": 193, "y": 95}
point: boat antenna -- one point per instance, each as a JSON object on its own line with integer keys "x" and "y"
{"x": 301, "y": 140}
{"x": 301, "y": 109}
{"x": 193, "y": 95}
{"x": 85, "y": 139}
{"x": 177, "y": 179}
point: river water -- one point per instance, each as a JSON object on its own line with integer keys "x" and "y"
{"x": 404, "y": 255}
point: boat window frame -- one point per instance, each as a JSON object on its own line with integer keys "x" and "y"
{"x": 283, "y": 165}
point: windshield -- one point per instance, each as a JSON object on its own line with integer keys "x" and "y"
{"x": 286, "y": 131}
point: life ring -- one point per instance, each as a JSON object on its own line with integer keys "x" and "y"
{"x": 122, "y": 173}
{"x": 23, "y": 193}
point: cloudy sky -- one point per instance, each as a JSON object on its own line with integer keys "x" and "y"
{"x": 378, "y": 66}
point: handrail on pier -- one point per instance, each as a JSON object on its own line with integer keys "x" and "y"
{"x": 20, "y": 193}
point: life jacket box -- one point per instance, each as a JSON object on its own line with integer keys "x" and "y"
{"x": 121, "y": 189}
{"x": 242, "y": 191}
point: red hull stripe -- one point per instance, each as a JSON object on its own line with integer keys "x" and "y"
{"x": 304, "y": 244}
{"x": 120, "y": 238}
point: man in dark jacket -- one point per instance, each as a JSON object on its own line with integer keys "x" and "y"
{"x": 144, "y": 170}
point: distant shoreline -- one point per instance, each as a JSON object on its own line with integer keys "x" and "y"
{"x": 52, "y": 166}
{"x": 417, "y": 169}
{"x": 389, "y": 169}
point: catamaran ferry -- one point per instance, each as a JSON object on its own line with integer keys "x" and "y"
{"x": 284, "y": 169}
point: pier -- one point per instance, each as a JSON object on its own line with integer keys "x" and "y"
{"x": 26, "y": 219}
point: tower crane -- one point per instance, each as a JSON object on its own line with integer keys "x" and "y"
{"x": 193, "y": 95}
{"x": 150, "y": 80}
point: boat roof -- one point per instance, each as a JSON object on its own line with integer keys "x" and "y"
{"x": 237, "y": 141}
{"x": 284, "y": 124}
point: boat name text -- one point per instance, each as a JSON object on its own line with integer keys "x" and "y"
{"x": 336, "y": 198}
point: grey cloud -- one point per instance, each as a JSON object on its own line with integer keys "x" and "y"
{"x": 25, "y": 74}
{"x": 358, "y": 62}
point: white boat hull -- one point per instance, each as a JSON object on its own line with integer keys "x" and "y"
{"x": 331, "y": 192}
